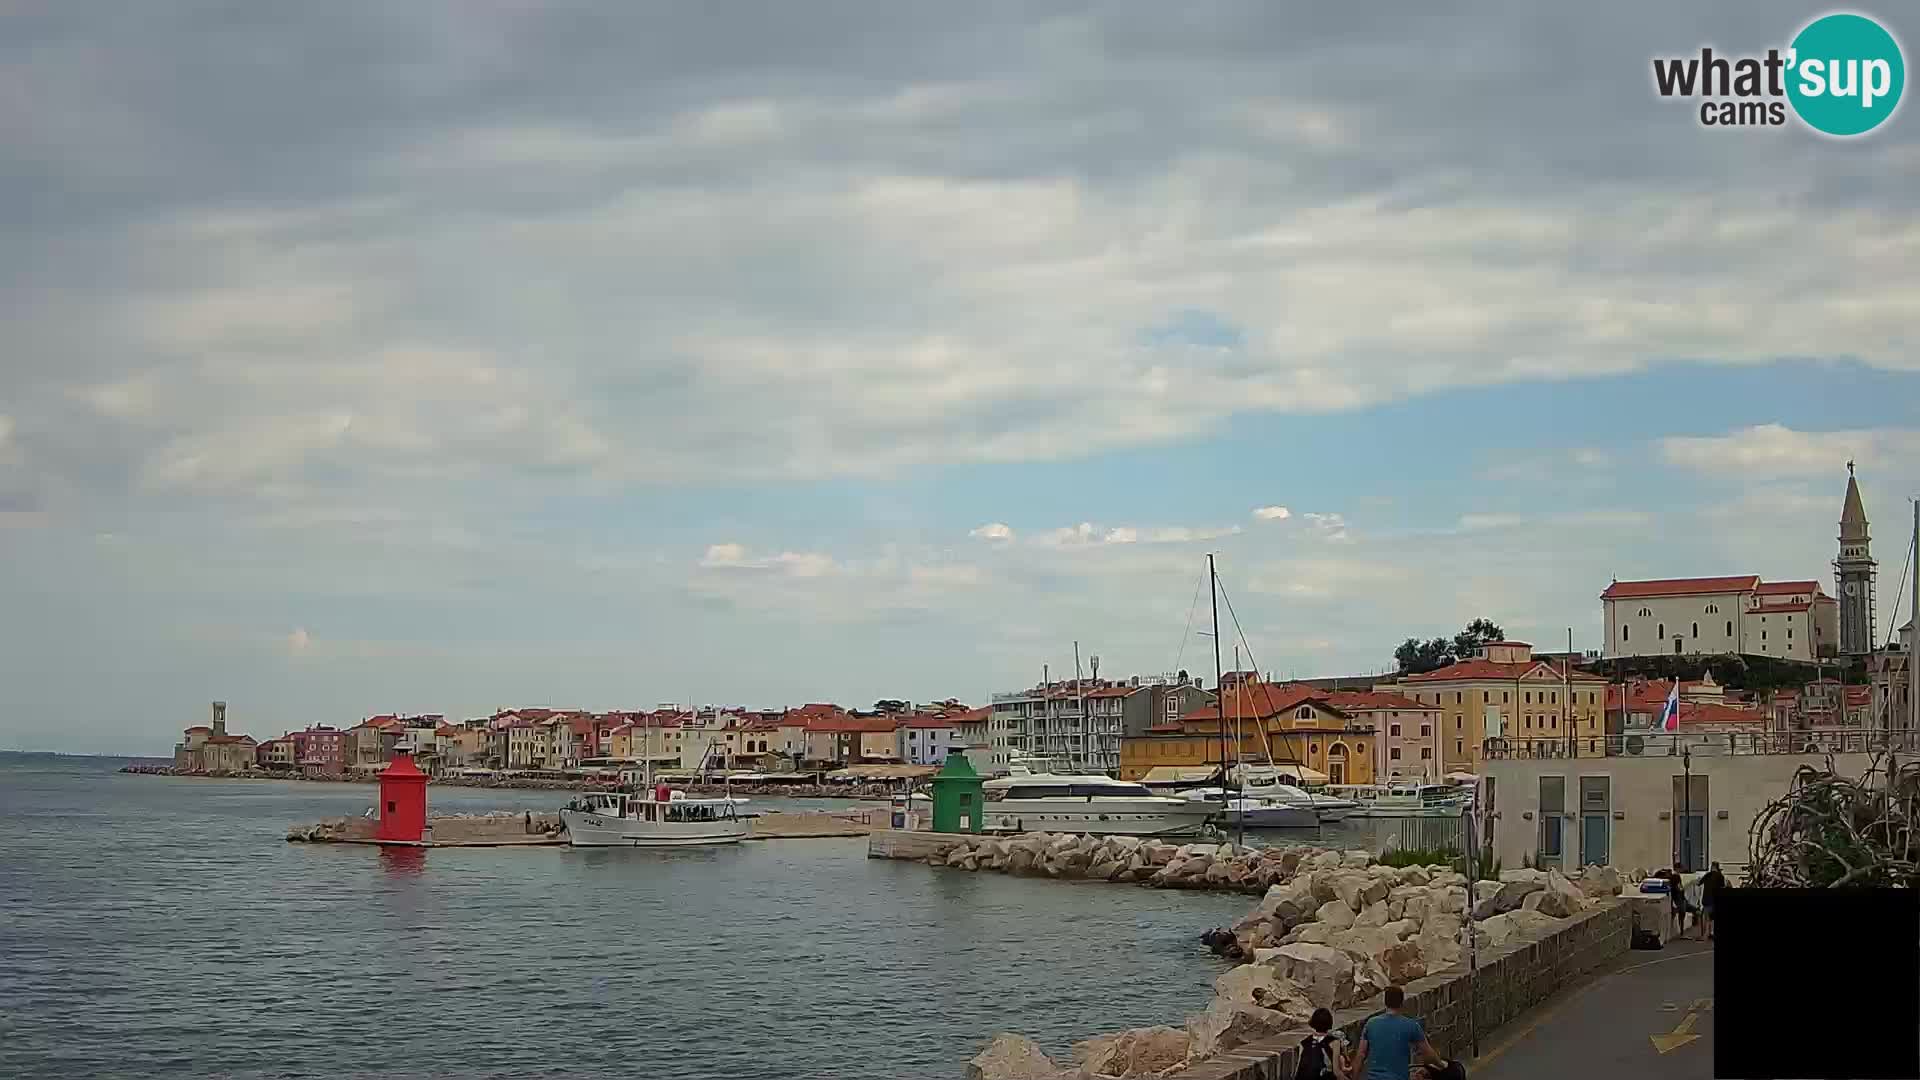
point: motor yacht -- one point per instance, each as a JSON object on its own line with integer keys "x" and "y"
{"x": 1053, "y": 802}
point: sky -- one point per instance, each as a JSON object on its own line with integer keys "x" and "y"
{"x": 447, "y": 356}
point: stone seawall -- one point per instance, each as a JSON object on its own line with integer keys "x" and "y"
{"x": 1512, "y": 978}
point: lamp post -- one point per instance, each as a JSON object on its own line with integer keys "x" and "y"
{"x": 1684, "y": 863}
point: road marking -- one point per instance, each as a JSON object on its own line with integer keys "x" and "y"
{"x": 1514, "y": 1040}
{"x": 1683, "y": 1032}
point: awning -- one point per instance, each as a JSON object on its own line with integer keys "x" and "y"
{"x": 883, "y": 772}
{"x": 1278, "y": 773}
{"x": 1161, "y": 775}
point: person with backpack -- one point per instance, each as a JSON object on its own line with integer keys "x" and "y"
{"x": 1323, "y": 1053}
{"x": 1391, "y": 1042}
{"x": 1711, "y": 883}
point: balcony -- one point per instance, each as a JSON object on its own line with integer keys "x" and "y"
{"x": 1702, "y": 744}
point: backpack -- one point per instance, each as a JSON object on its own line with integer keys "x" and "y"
{"x": 1315, "y": 1058}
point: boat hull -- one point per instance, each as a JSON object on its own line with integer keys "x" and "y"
{"x": 1273, "y": 817}
{"x": 1001, "y": 818}
{"x": 586, "y": 829}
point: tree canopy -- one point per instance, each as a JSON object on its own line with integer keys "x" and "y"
{"x": 1415, "y": 656}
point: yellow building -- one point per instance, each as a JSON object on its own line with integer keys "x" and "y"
{"x": 1505, "y": 692}
{"x": 1287, "y": 724}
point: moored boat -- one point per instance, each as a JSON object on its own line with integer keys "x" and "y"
{"x": 1256, "y": 811}
{"x": 622, "y": 819}
{"x": 1050, "y": 802}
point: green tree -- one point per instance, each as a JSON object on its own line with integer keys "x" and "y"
{"x": 1415, "y": 656}
{"x": 889, "y": 706}
{"x": 1477, "y": 633}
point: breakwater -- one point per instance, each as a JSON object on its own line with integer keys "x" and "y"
{"x": 528, "y": 829}
{"x": 1332, "y": 930}
{"x": 824, "y": 790}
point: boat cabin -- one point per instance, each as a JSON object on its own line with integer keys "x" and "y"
{"x": 616, "y": 804}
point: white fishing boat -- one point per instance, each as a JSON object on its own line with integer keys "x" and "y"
{"x": 621, "y": 819}
{"x": 1326, "y": 808}
{"x": 1051, "y": 802}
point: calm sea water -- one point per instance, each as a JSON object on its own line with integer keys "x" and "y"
{"x": 157, "y": 926}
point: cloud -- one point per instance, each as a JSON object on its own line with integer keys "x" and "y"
{"x": 1272, "y": 513}
{"x": 992, "y": 531}
{"x": 1088, "y": 533}
{"x": 1332, "y": 527}
{"x": 801, "y": 564}
{"x": 1780, "y": 451}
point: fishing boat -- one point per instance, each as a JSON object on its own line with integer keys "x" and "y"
{"x": 656, "y": 819}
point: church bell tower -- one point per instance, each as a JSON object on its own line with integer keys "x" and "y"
{"x": 1853, "y": 574}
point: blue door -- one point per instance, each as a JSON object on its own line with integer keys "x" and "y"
{"x": 1693, "y": 842}
{"x": 1593, "y": 840}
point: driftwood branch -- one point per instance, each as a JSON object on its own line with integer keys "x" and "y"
{"x": 1833, "y": 831}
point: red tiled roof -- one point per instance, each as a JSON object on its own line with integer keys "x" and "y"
{"x": 924, "y": 721}
{"x": 871, "y": 725}
{"x": 1114, "y": 691}
{"x": 1167, "y": 726}
{"x": 1788, "y": 588}
{"x": 199, "y": 727}
{"x": 1621, "y": 590}
{"x": 1368, "y": 700}
{"x": 1479, "y": 668}
{"x": 581, "y": 725}
{"x": 971, "y": 716}
{"x": 1260, "y": 701}
{"x": 1709, "y": 713}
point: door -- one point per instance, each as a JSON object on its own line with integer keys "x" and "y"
{"x": 1690, "y": 824}
{"x": 1553, "y": 807}
{"x": 1596, "y": 814}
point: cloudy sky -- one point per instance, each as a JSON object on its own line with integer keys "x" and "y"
{"x": 445, "y": 356}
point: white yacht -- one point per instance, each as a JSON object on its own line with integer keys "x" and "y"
{"x": 1263, "y": 811}
{"x": 1051, "y": 802}
{"x": 1326, "y": 808}
{"x": 1402, "y": 800}
{"x": 620, "y": 819}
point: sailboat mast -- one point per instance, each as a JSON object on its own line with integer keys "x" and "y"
{"x": 1220, "y": 699}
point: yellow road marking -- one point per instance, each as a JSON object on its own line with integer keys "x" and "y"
{"x": 1683, "y": 1032}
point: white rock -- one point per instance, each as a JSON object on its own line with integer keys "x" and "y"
{"x": 1402, "y": 928}
{"x": 1335, "y": 913}
{"x": 1356, "y": 858}
{"x": 1323, "y": 973}
{"x": 1139, "y": 1052}
{"x": 1316, "y": 933}
{"x": 1375, "y": 915}
{"x": 1523, "y": 874}
{"x": 1226, "y": 1024}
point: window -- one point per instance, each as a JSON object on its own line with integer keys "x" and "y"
{"x": 1696, "y": 629}
{"x": 1729, "y": 627}
{"x": 1625, "y": 632}
{"x": 1456, "y": 723}
{"x": 1394, "y": 754}
{"x": 1456, "y": 697}
{"x": 1456, "y": 747}
{"x": 1393, "y": 729}
{"x": 1789, "y": 633}
{"x": 1529, "y": 696}
{"x": 1646, "y": 613}
{"x": 1713, "y": 609}
{"x": 1763, "y": 635}
{"x": 1426, "y": 730}
{"x": 1661, "y": 630}
{"x": 1426, "y": 753}
{"x": 1304, "y": 712}
{"x": 1503, "y": 697}
{"x": 1486, "y": 696}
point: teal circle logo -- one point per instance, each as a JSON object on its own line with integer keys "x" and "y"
{"x": 1845, "y": 74}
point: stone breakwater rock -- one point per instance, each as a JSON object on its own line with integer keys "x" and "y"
{"x": 1227, "y": 1024}
{"x": 1140, "y": 1052}
{"x": 1598, "y": 881}
{"x": 1323, "y": 973}
{"x": 1013, "y": 1057}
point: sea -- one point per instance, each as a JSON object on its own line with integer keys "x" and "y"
{"x": 163, "y": 926}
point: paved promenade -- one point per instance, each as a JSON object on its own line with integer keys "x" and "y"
{"x": 1651, "y": 1017}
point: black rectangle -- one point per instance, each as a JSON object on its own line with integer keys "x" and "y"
{"x": 1811, "y": 984}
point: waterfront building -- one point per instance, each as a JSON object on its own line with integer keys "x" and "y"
{"x": 276, "y": 753}
{"x": 1737, "y": 615}
{"x": 1657, "y": 799}
{"x": 1889, "y": 706}
{"x": 1853, "y": 574}
{"x": 209, "y": 748}
{"x": 928, "y": 738}
{"x": 1406, "y": 733}
{"x": 1287, "y": 724}
{"x": 1503, "y": 691}
{"x": 1082, "y": 722}
{"x": 322, "y": 750}
{"x": 974, "y": 731}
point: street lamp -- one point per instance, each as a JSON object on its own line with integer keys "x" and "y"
{"x": 1684, "y": 863}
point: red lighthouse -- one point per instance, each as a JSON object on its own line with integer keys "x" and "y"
{"x": 403, "y": 802}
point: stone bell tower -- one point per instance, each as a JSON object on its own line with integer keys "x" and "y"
{"x": 1853, "y": 574}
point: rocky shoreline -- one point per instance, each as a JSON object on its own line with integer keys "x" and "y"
{"x": 1332, "y": 929}
{"x": 859, "y": 792}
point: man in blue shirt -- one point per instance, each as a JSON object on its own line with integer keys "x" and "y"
{"x": 1391, "y": 1042}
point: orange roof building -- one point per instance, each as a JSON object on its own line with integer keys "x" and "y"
{"x": 1720, "y": 616}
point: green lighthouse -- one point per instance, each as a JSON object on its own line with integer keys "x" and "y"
{"x": 959, "y": 795}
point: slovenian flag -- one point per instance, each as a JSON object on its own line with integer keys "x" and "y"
{"x": 1670, "y": 712}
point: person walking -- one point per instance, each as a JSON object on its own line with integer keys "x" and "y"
{"x": 1323, "y": 1054}
{"x": 1711, "y": 884}
{"x": 1391, "y": 1042}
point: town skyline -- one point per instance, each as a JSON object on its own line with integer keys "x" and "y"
{"x": 454, "y": 358}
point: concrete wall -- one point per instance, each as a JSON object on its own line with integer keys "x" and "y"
{"x": 1642, "y": 789}
{"x": 1511, "y": 979}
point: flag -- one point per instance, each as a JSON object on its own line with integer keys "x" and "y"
{"x": 1670, "y": 712}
